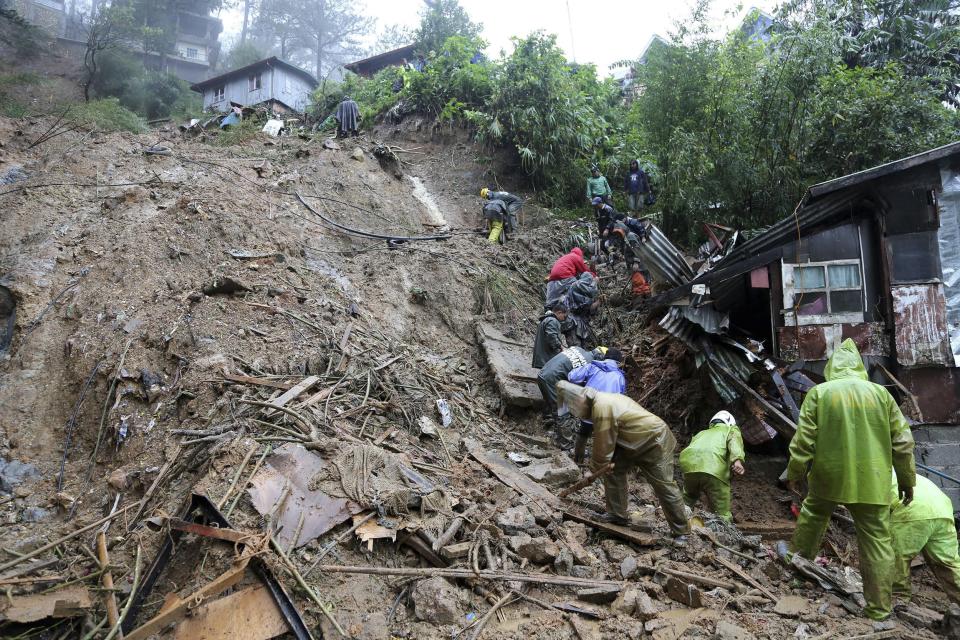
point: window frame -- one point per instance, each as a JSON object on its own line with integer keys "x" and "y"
{"x": 196, "y": 53}
{"x": 220, "y": 93}
{"x": 254, "y": 82}
{"x": 791, "y": 290}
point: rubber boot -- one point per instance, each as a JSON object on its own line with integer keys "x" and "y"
{"x": 496, "y": 228}
{"x": 583, "y": 435}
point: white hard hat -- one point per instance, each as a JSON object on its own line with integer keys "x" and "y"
{"x": 725, "y": 417}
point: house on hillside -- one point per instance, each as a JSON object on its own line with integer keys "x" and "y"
{"x": 48, "y": 15}
{"x": 758, "y": 25}
{"x": 873, "y": 256}
{"x": 369, "y": 66}
{"x": 272, "y": 82}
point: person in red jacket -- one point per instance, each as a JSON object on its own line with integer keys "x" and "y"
{"x": 568, "y": 266}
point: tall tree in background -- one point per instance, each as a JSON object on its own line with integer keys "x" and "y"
{"x": 442, "y": 19}
{"x": 107, "y": 30}
{"x": 331, "y": 30}
{"x": 391, "y": 37}
{"x": 277, "y": 27}
{"x": 248, "y": 5}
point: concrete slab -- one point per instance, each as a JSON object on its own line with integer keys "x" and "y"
{"x": 509, "y": 361}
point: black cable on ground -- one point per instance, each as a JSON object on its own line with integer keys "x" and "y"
{"x": 393, "y": 240}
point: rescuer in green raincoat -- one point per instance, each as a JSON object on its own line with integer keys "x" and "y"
{"x": 706, "y": 464}
{"x": 925, "y": 526}
{"x": 849, "y": 436}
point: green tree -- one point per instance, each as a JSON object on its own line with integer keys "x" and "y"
{"x": 442, "y": 19}
{"x": 242, "y": 54}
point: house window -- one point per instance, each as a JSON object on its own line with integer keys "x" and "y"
{"x": 823, "y": 292}
{"x": 192, "y": 54}
{"x": 254, "y": 82}
{"x": 218, "y": 94}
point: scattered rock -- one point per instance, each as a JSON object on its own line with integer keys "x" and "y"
{"x": 152, "y": 384}
{"x": 686, "y": 594}
{"x": 516, "y": 520}
{"x": 34, "y": 514}
{"x": 626, "y": 602}
{"x": 224, "y": 285}
{"x": 357, "y": 153}
{"x": 919, "y": 616}
{"x": 540, "y": 550}
{"x": 615, "y": 551}
{"x": 14, "y": 472}
{"x": 428, "y": 428}
{"x": 729, "y": 631}
{"x": 628, "y": 567}
{"x": 582, "y": 571}
{"x": 791, "y": 606}
{"x": 563, "y": 564}
{"x": 598, "y": 595}
{"x": 575, "y": 536}
{"x": 645, "y": 608}
{"x": 558, "y": 471}
{"x": 330, "y": 144}
{"x": 437, "y": 601}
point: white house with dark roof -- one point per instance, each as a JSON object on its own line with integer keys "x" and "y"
{"x": 271, "y": 81}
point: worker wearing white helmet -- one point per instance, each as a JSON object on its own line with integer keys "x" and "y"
{"x": 707, "y": 462}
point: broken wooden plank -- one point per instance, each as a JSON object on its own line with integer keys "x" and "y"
{"x": 250, "y": 614}
{"x": 624, "y": 533}
{"x": 506, "y": 472}
{"x": 263, "y": 382}
{"x": 778, "y": 528}
{"x": 535, "y": 578}
{"x": 746, "y": 576}
{"x": 230, "y": 535}
{"x": 587, "y": 480}
{"x": 63, "y": 603}
{"x": 292, "y": 393}
{"x": 786, "y": 426}
{"x": 706, "y": 581}
{"x": 455, "y": 551}
{"x": 175, "y": 609}
{"x": 906, "y": 392}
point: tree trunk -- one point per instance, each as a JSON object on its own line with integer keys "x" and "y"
{"x": 246, "y": 18}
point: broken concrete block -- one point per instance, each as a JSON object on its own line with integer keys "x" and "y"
{"x": 516, "y": 520}
{"x": 686, "y": 594}
{"x": 729, "y": 631}
{"x": 454, "y": 551}
{"x": 557, "y": 471}
{"x": 582, "y": 571}
{"x": 437, "y": 601}
{"x": 791, "y": 606}
{"x": 598, "y": 595}
{"x": 541, "y": 550}
{"x": 645, "y": 608}
{"x": 628, "y": 567}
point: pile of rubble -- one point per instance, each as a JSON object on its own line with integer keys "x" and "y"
{"x": 267, "y": 422}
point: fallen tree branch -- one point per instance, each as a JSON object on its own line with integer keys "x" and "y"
{"x": 466, "y": 573}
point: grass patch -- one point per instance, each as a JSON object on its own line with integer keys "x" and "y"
{"x": 106, "y": 114}
{"x": 239, "y": 133}
{"x": 11, "y": 85}
{"x": 496, "y": 293}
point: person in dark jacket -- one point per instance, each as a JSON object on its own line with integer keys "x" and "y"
{"x": 603, "y": 375}
{"x": 549, "y": 340}
{"x": 605, "y": 214}
{"x": 348, "y": 118}
{"x": 636, "y": 184}
{"x": 511, "y": 206}
{"x": 557, "y": 369}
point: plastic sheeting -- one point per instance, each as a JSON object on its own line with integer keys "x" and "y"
{"x": 948, "y": 239}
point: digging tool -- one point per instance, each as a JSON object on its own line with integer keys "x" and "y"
{"x": 587, "y": 480}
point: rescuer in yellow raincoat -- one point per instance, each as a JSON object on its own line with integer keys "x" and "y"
{"x": 849, "y": 436}
{"x": 926, "y": 526}
{"x": 706, "y": 463}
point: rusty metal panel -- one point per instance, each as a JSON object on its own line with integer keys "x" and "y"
{"x": 663, "y": 259}
{"x": 920, "y": 325}
{"x": 817, "y": 342}
{"x": 937, "y": 390}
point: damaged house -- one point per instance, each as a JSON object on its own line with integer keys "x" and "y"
{"x": 873, "y": 256}
{"x": 272, "y": 82}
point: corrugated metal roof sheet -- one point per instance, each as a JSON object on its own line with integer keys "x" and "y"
{"x": 663, "y": 259}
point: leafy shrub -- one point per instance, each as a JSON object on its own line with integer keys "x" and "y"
{"x": 106, "y": 114}
{"x": 451, "y": 82}
{"x": 11, "y": 85}
{"x": 373, "y": 95}
{"x": 149, "y": 93}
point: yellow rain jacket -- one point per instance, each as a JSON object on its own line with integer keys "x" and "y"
{"x": 618, "y": 421}
{"x": 712, "y": 451}
{"x": 929, "y": 503}
{"x": 849, "y": 434}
